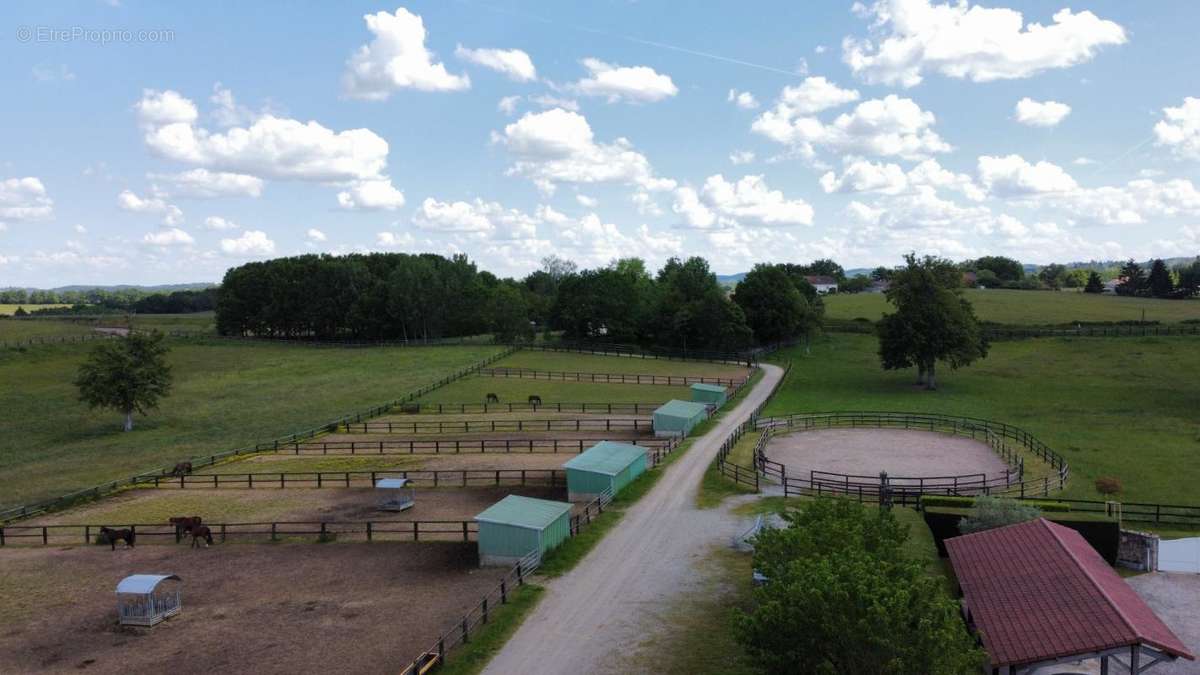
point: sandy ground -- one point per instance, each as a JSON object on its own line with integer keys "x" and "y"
{"x": 288, "y": 608}
{"x": 866, "y": 452}
{"x": 417, "y": 462}
{"x": 1176, "y": 600}
{"x": 622, "y": 591}
{"x": 475, "y": 437}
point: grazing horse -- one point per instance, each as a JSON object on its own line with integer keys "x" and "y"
{"x": 126, "y": 534}
{"x": 201, "y": 532}
{"x": 491, "y": 398}
{"x": 184, "y": 525}
{"x": 181, "y": 469}
{"x": 535, "y": 400}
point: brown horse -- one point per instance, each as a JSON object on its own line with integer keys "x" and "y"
{"x": 535, "y": 400}
{"x": 125, "y": 534}
{"x": 491, "y": 398}
{"x": 181, "y": 469}
{"x": 201, "y": 532}
{"x": 184, "y": 525}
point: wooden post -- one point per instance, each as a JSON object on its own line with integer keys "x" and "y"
{"x": 485, "y": 612}
{"x": 222, "y": 533}
{"x": 466, "y": 636}
{"x": 369, "y": 533}
{"x": 503, "y": 593}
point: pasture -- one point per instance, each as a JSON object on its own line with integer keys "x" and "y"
{"x": 21, "y": 330}
{"x": 9, "y": 310}
{"x": 474, "y": 389}
{"x": 226, "y": 395}
{"x": 589, "y": 363}
{"x": 1031, "y": 308}
{"x": 1112, "y": 407}
{"x": 262, "y": 608}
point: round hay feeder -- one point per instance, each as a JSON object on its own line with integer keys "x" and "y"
{"x": 397, "y": 494}
{"x": 143, "y": 599}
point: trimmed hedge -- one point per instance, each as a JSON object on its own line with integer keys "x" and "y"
{"x": 968, "y": 502}
{"x": 1102, "y": 532}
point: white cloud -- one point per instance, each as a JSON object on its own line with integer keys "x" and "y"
{"x": 168, "y": 237}
{"x": 24, "y": 199}
{"x": 1084, "y": 161}
{"x": 748, "y": 201}
{"x": 508, "y": 104}
{"x": 1013, "y": 176}
{"x": 513, "y": 63}
{"x": 484, "y": 218}
{"x": 371, "y": 195}
{"x": 163, "y": 108}
{"x": 59, "y": 73}
{"x": 128, "y": 201}
{"x": 742, "y": 99}
{"x": 396, "y": 58}
{"x": 637, "y": 84}
{"x": 739, "y": 157}
{"x": 393, "y": 240}
{"x": 587, "y": 202}
{"x": 547, "y": 101}
{"x": 315, "y": 235}
{"x": 1179, "y": 129}
{"x": 970, "y": 42}
{"x": 590, "y": 241}
{"x": 866, "y": 176}
{"x": 891, "y": 126}
{"x": 219, "y": 223}
{"x": 205, "y": 184}
{"x": 1041, "y": 113}
{"x": 558, "y": 146}
{"x": 252, "y": 243}
{"x": 1136, "y": 202}
{"x": 80, "y": 229}
{"x": 645, "y": 203}
{"x": 227, "y": 112}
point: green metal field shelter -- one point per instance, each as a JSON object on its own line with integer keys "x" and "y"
{"x": 676, "y": 418}
{"x": 604, "y": 466}
{"x": 516, "y": 526}
{"x": 709, "y": 393}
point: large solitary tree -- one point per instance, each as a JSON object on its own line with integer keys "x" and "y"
{"x": 775, "y": 309}
{"x": 128, "y": 374}
{"x": 932, "y": 321}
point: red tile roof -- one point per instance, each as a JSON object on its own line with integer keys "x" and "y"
{"x": 1038, "y": 591}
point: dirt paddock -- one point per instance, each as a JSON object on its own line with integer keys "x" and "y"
{"x": 285, "y": 608}
{"x": 866, "y": 452}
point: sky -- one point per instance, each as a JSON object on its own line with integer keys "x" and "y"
{"x": 164, "y": 143}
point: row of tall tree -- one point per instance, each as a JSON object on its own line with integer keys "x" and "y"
{"x": 1159, "y": 282}
{"x": 401, "y": 296}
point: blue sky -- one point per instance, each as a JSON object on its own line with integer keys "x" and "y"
{"x": 190, "y": 138}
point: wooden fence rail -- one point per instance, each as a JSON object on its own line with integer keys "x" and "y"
{"x": 523, "y": 406}
{"x": 342, "y": 530}
{"x": 607, "y": 378}
{"x": 452, "y": 447}
{"x": 633, "y": 351}
{"x": 344, "y": 479}
{"x": 493, "y": 425}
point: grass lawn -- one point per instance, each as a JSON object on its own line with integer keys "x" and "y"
{"x": 587, "y": 363}
{"x": 514, "y": 390}
{"x": 1032, "y": 307}
{"x": 14, "y": 330}
{"x": 1123, "y": 408}
{"x": 196, "y": 322}
{"x": 12, "y": 309}
{"x": 226, "y": 395}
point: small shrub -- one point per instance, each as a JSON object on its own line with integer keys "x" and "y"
{"x": 1108, "y": 485}
{"x": 992, "y": 512}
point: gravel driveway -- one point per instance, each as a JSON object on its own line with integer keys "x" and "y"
{"x": 622, "y": 589}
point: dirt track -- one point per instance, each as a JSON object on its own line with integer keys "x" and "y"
{"x": 622, "y": 589}
{"x": 866, "y": 452}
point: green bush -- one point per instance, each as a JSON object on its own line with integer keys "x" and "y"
{"x": 989, "y": 513}
{"x": 940, "y": 501}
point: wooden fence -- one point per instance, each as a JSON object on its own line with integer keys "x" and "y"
{"x": 55, "y": 340}
{"x": 1022, "y": 332}
{"x": 364, "y": 479}
{"x": 607, "y": 378}
{"x": 361, "y": 531}
{"x": 452, "y": 447}
{"x": 522, "y": 406}
{"x": 636, "y": 424}
{"x": 632, "y": 351}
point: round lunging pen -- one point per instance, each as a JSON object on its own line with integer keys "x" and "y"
{"x": 145, "y": 600}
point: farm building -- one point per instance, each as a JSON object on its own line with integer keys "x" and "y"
{"x": 604, "y": 466}
{"x": 823, "y": 284}
{"x": 142, "y": 600}
{"x": 708, "y": 393}
{"x": 1040, "y": 596}
{"x": 676, "y": 418}
{"x": 516, "y": 526}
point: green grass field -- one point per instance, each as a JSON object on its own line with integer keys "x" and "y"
{"x": 515, "y": 390}
{"x": 1033, "y": 308}
{"x": 1123, "y": 408}
{"x": 587, "y": 363}
{"x": 226, "y": 395}
{"x": 6, "y": 310}
{"x": 12, "y": 330}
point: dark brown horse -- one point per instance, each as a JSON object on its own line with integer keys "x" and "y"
{"x": 491, "y": 398}
{"x": 535, "y": 400}
{"x": 111, "y": 536}
{"x": 201, "y": 532}
{"x": 184, "y": 525}
{"x": 182, "y": 469}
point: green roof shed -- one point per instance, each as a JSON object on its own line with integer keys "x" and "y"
{"x": 676, "y": 418}
{"x": 708, "y": 393}
{"x": 516, "y": 526}
{"x": 604, "y": 466}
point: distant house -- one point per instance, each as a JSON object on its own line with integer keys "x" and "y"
{"x": 1110, "y": 286}
{"x": 969, "y": 279}
{"x": 823, "y": 284}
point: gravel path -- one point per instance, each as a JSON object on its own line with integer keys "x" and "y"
{"x": 621, "y": 590}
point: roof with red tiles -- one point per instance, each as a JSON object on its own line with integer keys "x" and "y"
{"x": 1038, "y": 591}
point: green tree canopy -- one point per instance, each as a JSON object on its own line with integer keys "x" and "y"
{"x": 1005, "y": 269}
{"x": 1133, "y": 279}
{"x": 1094, "y": 284}
{"x": 1159, "y": 283}
{"x": 775, "y": 309}
{"x": 128, "y": 374}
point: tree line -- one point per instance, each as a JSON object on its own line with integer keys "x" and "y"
{"x": 99, "y": 301}
{"x": 419, "y": 297}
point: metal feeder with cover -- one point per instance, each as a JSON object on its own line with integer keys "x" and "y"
{"x": 606, "y": 467}
{"x": 397, "y": 494}
{"x": 143, "y": 599}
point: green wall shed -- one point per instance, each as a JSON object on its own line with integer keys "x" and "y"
{"x": 676, "y": 418}
{"x": 516, "y": 526}
{"x": 605, "y": 465}
{"x": 709, "y": 393}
